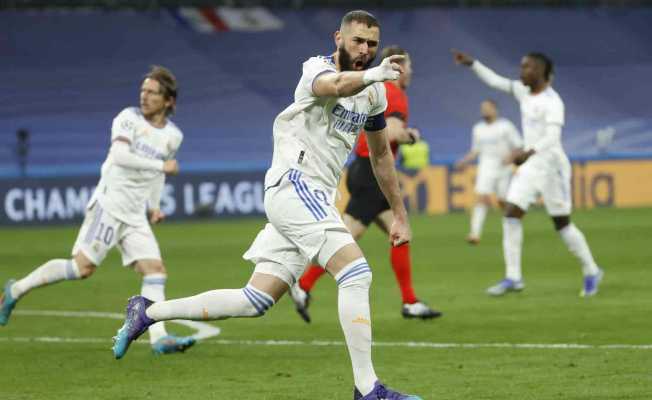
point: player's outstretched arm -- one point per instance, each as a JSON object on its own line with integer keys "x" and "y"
{"x": 350, "y": 83}
{"x": 485, "y": 74}
{"x": 382, "y": 163}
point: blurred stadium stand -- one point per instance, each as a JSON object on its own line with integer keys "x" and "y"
{"x": 67, "y": 72}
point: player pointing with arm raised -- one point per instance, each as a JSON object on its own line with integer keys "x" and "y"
{"x": 336, "y": 97}
{"x": 143, "y": 146}
{"x": 544, "y": 168}
{"x": 368, "y": 204}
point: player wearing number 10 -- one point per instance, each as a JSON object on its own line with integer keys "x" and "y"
{"x": 144, "y": 144}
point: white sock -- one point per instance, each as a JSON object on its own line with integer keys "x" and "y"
{"x": 576, "y": 243}
{"x": 512, "y": 245}
{"x": 355, "y": 317}
{"x": 50, "y": 272}
{"x": 153, "y": 288}
{"x": 477, "y": 219}
{"x": 214, "y": 304}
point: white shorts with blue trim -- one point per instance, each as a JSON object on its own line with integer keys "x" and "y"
{"x": 551, "y": 181}
{"x": 304, "y": 227}
{"x": 100, "y": 232}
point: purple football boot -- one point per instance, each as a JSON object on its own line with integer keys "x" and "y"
{"x": 380, "y": 392}
{"x": 136, "y": 323}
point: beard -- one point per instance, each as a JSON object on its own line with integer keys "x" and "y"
{"x": 346, "y": 62}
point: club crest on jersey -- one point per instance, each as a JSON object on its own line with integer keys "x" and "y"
{"x": 128, "y": 126}
{"x": 347, "y": 120}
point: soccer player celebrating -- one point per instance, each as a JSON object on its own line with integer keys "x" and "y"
{"x": 143, "y": 147}
{"x": 335, "y": 98}
{"x": 368, "y": 204}
{"x": 544, "y": 168}
{"x": 494, "y": 140}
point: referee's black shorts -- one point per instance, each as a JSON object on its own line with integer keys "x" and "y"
{"x": 367, "y": 200}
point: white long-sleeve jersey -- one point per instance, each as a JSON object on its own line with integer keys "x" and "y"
{"x": 315, "y": 135}
{"x": 542, "y": 115}
{"x": 132, "y": 174}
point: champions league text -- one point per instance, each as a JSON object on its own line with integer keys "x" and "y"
{"x": 56, "y": 201}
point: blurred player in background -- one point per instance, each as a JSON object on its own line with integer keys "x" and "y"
{"x": 337, "y": 96}
{"x": 494, "y": 140}
{"x": 368, "y": 204}
{"x": 544, "y": 169}
{"x": 143, "y": 147}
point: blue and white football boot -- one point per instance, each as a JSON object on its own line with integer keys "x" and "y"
{"x": 173, "y": 344}
{"x": 7, "y": 303}
{"x": 505, "y": 286}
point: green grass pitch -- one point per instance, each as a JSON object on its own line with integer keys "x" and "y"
{"x": 448, "y": 274}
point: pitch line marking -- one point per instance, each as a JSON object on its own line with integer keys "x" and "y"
{"x": 335, "y": 343}
{"x": 205, "y": 331}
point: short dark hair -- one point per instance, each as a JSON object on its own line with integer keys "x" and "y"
{"x": 393, "y": 50}
{"x": 548, "y": 67}
{"x": 361, "y": 16}
{"x": 168, "y": 83}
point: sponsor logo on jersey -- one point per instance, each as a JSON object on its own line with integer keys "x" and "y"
{"x": 146, "y": 150}
{"x": 347, "y": 120}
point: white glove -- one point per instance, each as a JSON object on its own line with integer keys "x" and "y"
{"x": 388, "y": 70}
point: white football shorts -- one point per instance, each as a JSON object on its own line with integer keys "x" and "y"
{"x": 100, "y": 232}
{"x": 304, "y": 227}
{"x": 550, "y": 181}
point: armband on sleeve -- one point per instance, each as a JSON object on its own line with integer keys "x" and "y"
{"x": 375, "y": 123}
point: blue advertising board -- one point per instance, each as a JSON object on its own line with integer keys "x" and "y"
{"x": 41, "y": 201}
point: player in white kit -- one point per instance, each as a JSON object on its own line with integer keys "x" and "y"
{"x": 337, "y": 96}
{"x": 493, "y": 141}
{"x": 143, "y": 147}
{"x": 544, "y": 169}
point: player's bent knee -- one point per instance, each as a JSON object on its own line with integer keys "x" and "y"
{"x": 258, "y": 302}
{"x": 513, "y": 211}
{"x": 147, "y": 267}
{"x": 86, "y": 270}
{"x": 485, "y": 199}
{"x": 158, "y": 268}
{"x": 84, "y": 265}
{"x": 356, "y": 227}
